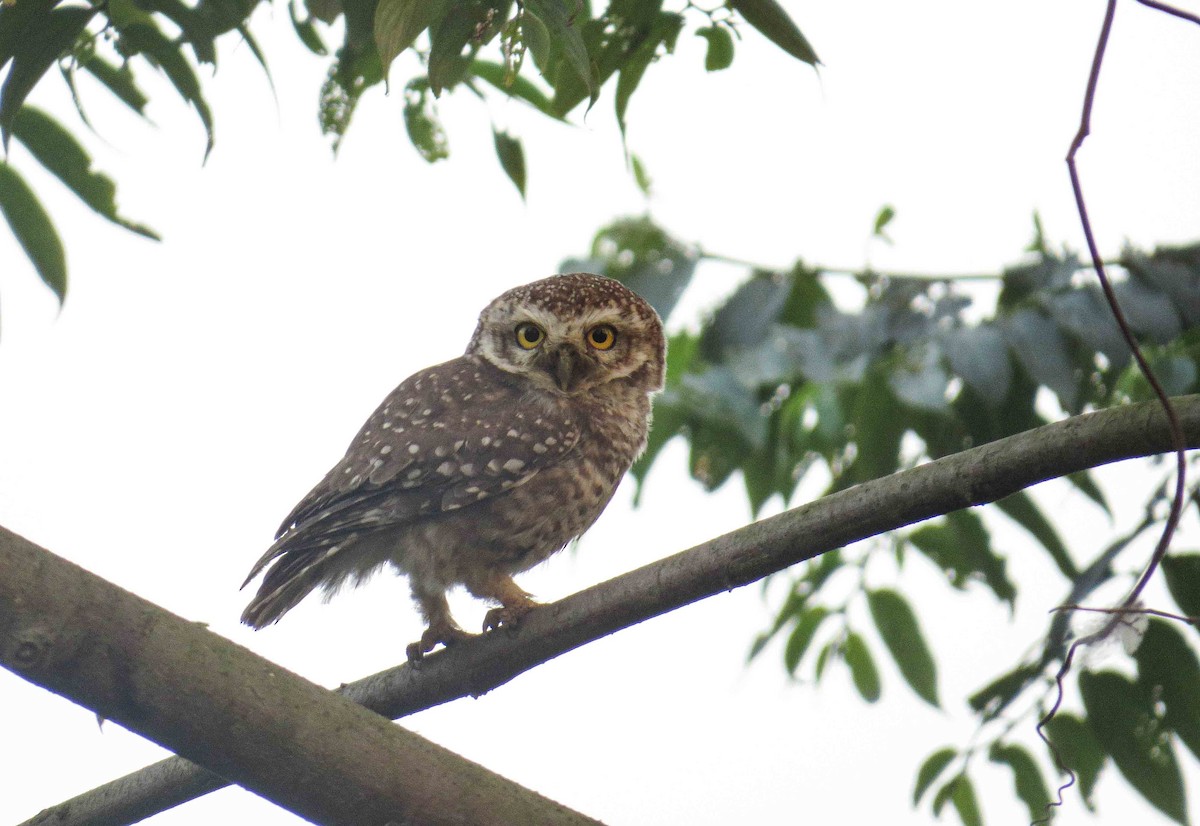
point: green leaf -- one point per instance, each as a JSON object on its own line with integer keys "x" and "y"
{"x": 1168, "y": 669}
{"x": 307, "y": 32}
{"x": 150, "y": 42}
{"x": 559, "y": 18}
{"x": 802, "y": 636}
{"x": 196, "y": 29}
{"x": 536, "y": 38}
{"x": 1182, "y": 572}
{"x": 515, "y": 86}
{"x": 34, "y": 230}
{"x": 424, "y": 130}
{"x": 901, "y": 634}
{"x": 828, "y": 650}
{"x": 1083, "y": 481}
{"x": 934, "y": 765}
{"x": 1078, "y": 750}
{"x": 769, "y": 18}
{"x": 512, "y": 158}
{"x": 398, "y": 22}
{"x": 719, "y": 54}
{"x": 33, "y": 53}
{"x": 454, "y": 40}
{"x": 996, "y": 695}
{"x": 884, "y": 217}
{"x": 1031, "y": 786}
{"x": 19, "y": 22}
{"x": 1021, "y": 508}
{"x": 640, "y": 176}
{"x": 57, "y": 150}
{"x": 862, "y": 667}
{"x": 1124, "y": 721}
{"x": 961, "y": 547}
{"x": 962, "y": 796}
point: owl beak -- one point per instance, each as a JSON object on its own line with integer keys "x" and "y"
{"x": 563, "y": 366}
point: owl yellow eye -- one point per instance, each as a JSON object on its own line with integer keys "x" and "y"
{"x": 602, "y": 337}
{"x": 529, "y": 335}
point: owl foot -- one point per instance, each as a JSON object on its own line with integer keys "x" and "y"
{"x": 447, "y": 635}
{"x": 508, "y": 616}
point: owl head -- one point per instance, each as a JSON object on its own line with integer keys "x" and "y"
{"x": 569, "y": 334}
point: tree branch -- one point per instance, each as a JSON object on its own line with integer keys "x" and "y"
{"x": 977, "y": 476}
{"x": 200, "y": 695}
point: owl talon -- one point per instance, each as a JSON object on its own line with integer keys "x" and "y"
{"x": 507, "y": 616}
{"x": 447, "y": 636}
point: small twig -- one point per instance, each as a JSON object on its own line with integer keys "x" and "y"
{"x": 1123, "y": 610}
{"x": 1171, "y": 10}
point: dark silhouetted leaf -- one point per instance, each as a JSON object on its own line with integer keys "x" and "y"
{"x": 119, "y": 81}
{"x": 1021, "y": 508}
{"x": 1123, "y": 719}
{"x": 1168, "y": 669}
{"x": 769, "y": 18}
{"x": 1182, "y": 572}
{"x": 150, "y": 42}
{"x": 901, "y": 633}
{"x": 33, "y": 53}
{"x": 1030, "y": 785}
{"x": 802, "y": 635}
{"x": 1078, "y": 750}
{"x": 719, "y": 54}
{"x": 933, "y": 766}
{"x": 33, "y": 229}
{"x": 512, "y": 159}
{"x": 56, "y": 149}
{"x": 862, "y": 667}
{"x": 19, "y": 22}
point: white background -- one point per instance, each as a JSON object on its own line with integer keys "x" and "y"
{"x": 157, "y": 429}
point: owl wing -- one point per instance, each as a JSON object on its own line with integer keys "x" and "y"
{"x": 447, "y": 437}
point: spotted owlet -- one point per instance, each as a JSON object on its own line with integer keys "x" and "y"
{"x": 479, "y": 468}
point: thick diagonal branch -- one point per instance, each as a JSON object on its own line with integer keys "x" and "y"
{"x": 973, "y": 477}
{"x": 202, "y": 696}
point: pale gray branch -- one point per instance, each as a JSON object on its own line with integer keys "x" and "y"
{"x": 980, "y": 475}
{"x": 202, "y": 696}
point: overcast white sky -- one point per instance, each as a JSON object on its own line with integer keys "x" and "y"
{"x": 157, "y": 429}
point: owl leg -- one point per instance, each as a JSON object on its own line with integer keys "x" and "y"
{"x": 442, "y": 627}
{"x": 514, "y": 602}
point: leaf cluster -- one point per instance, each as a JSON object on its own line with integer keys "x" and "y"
{"x": 781, "y": 381}
{"x": 551, "y": 54}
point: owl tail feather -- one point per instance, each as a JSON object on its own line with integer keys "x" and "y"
{"x": 291, "y": 578}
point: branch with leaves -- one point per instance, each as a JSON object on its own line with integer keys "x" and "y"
{"x": 477, "y": 45}
{"x": 972, "y": 477}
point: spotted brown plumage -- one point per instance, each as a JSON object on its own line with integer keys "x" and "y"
{"x": 479, "y": 468}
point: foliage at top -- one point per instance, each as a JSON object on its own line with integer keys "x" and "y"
{"x": 552, "y": 54}
{"x": 780, "y": 381}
